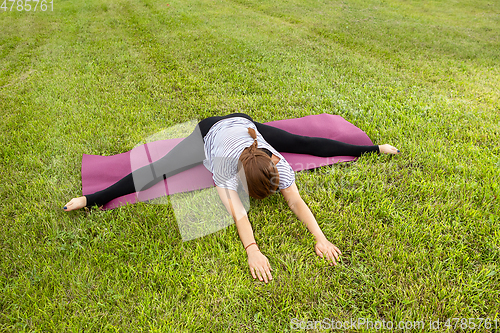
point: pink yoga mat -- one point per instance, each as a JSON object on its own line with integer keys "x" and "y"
{"x": 99, "y": 172}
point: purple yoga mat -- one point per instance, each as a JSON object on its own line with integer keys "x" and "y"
{"x": 99, "y": 172}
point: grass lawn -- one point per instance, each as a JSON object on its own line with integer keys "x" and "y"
{"x": 419, "y": 232}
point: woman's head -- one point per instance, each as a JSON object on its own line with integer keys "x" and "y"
{"x": 260, "y": 172}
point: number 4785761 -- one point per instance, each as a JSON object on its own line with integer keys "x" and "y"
{"x": 27, "y": 5}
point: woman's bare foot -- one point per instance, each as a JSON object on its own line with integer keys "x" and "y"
{"x": 388, "y": 149}
{"x": 75, "y": 203}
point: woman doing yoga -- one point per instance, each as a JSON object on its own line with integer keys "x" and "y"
{"x": 230, "y": 146}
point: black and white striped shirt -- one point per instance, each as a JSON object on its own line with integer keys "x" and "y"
{"x": 224, "y": 143}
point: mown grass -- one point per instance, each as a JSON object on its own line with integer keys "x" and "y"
{"x": 419, "y": 232}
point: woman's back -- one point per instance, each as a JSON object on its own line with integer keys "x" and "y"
{"x": 224, "y": 143}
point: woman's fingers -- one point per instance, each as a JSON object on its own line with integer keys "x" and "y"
{"x": 335, "y": 254}
{"x": 252, "y": 270}
{"x": 263, "y": 273}
{"x": 330, "y": 255}
{"x": 268, "y": 274}
{"x": 259, "y": 274}
{"x": 331, "y": 258}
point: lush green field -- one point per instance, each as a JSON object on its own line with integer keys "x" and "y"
{"x": 419, "y": 232}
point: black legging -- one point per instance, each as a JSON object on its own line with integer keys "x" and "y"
{"x": 190, "y": 152}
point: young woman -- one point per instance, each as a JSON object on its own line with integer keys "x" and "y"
{"x": 232, "y": 146}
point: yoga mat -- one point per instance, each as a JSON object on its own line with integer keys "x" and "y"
{"x": 99, "y": 172}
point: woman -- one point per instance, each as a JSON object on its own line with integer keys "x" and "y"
{"x": 232, "y": 146}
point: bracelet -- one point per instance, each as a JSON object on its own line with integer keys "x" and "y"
{"x": 246, "y": 247}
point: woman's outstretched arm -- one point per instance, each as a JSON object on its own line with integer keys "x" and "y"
{"x": 322, "y": 247}
{"x": 258, "y": 263}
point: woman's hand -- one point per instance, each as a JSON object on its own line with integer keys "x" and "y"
{"x": 327, "y": 250}
{"x": 259, "y": 265}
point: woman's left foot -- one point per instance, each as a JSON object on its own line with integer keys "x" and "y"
{"x": 388, "y": 149}
{"x": 75, "y": 203}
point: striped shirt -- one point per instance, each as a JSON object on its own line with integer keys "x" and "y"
{"x": 224, "y": 143}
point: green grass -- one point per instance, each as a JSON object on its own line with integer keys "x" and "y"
{"x": 419, "y": 232}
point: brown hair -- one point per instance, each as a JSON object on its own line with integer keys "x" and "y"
{"x": 260, "y": 172}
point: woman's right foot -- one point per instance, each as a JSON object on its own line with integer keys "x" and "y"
{"x": 76, "y": 203}
{"x": 388, "y": 149}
